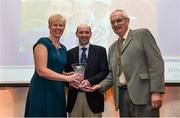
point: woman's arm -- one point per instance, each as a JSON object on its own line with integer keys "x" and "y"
{"x": 40, "y": 59}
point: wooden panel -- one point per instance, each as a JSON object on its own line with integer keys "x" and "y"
{"x": 12, "y": 102}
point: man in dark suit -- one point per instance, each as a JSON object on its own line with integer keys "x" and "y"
{"x": 80, "y": 102}
{"x": 136, "y": 70}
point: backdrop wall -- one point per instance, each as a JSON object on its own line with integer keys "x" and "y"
{"x": 23, "y": 22}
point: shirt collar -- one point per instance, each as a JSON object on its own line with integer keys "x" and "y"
{"x": 86, "y": 46}
{"x": 126, "y": 34}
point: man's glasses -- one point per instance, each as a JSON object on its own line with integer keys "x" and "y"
{"x": 118, "y": 21}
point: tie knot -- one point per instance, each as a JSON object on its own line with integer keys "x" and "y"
{"x": 122, "y": 40}
{"x": 83, "y": 49}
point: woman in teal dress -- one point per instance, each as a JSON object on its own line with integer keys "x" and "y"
{"x": 46, "y": 96}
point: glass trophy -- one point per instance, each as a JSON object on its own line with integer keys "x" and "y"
{"x": 79, "y": 67}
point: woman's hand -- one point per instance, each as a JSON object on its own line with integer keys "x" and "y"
{"x": 69, "y": 73}
{"x": 75, "y": 77}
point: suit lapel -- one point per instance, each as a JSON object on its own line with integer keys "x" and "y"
{"x": 117, "y": 50}
{"x": 127, "y": 41}
{"x": 114, "y": 54}
{"x": 76, "y": 55}
{"x": 91, "y": 56}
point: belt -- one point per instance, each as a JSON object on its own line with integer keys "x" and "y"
{"x": 79, "y": 90}
{"x": 123, "y": 87}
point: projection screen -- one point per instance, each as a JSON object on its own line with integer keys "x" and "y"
{"x": 23, "y": 22}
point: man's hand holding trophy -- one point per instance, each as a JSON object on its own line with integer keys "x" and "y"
{"x": 83, "y": 85}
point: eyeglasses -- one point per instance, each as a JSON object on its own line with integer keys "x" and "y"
{"x": 117, "y": 21}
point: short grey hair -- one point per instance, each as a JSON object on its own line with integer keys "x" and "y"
{"x": 122, "y": 11}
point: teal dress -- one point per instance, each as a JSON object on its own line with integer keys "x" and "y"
{"x": 46, "y": 98}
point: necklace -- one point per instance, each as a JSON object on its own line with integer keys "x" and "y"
{"x": 56, "y": 46}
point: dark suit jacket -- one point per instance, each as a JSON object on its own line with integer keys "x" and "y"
{"x": 96, "y": 71}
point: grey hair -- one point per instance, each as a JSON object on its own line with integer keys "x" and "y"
{"x": 122, "y": 11}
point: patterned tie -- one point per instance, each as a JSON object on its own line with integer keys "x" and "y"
{"x": 83, "y": 55}
{"x": 122, "y": 79}
{"x": 122, "y": 43}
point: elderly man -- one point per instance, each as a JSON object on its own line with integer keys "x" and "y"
{"x": 136, "y": 70}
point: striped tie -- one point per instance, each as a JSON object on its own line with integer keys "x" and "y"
{"x": 83, "y": 55}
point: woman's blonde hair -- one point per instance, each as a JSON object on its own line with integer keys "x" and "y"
{"x": 56, "y": 17}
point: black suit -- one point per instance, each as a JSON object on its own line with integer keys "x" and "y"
{"x": 96, "y": 71}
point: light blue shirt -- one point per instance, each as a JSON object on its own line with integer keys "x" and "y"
{"x": 80, "y": 50}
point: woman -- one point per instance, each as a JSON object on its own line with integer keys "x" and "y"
{"x": 46, "y": 96}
